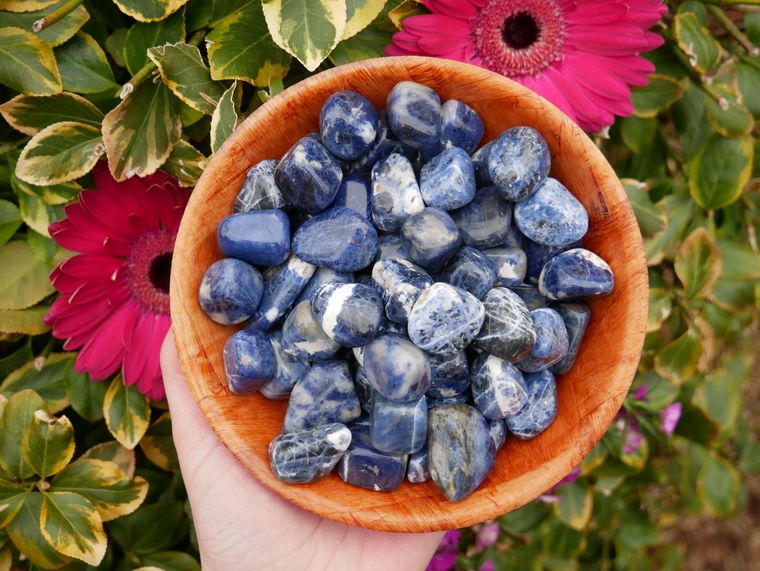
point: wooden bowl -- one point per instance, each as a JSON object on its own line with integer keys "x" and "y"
{"x": 589, "y": 395}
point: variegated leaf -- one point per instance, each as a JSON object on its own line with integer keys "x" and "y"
{"x": 23, "y": 281}
{"x": 149, "y": 10}
{"x": 698, "y": 264}
{"x": 54, "y": 34}
{"x": 225, "y": 118}
{"x": 359, "y": 14}
{"x": 10, "y": 220}
{"x": 186, "y": 163}
{"x": 45, "y": 377}
{"x": 72, "y": 525}
{"x": 12, "y": 497}
{"x": 142, "y": 36}
{"x": 158, "y": 444}
{"x": 24, "y": 531}
{"x": 48, "y": 444}
{"x": 127, "y": 413}
{"x": 37, "y": 214}
{"x": 27, "y": 64}
{"x": 30, "y": 114}
{"x": 84, "y": 66}
{"x": 25, "y": 5}
{"x": 113, "y": 452}
{"x": 16, "y": 419}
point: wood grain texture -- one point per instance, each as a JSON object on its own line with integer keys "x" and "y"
{"x": 589, "y": 395}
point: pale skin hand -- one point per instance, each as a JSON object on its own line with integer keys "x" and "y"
{"x": 242, "y": 526}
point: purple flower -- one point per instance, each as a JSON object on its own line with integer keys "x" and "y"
{"x": 633, "y": 437}
{"x": 487, "y": 535}
{"x": 669, "y": 418}
{"x": 549, "y": 497}
{"x": 487, "y": 566}
{"x": 451, "y": 540}
{"x": 641, "y": 392}
{"x": 443, "y": 561}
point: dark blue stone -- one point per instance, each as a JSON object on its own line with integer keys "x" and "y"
{"x": 308, "y": 175}
{"x": 303, "y": 336}
{"x": 430, "y": 238}
{"x": 485, "y": 221}
{"x": 364, "y": 466}
{"x": 288, "y": 371}
{"x": 282, "y": 284}
{"x": 540, "y": 410}
{"x": 381, "y": 148}
{"x": 248, "y": 361}
{"x": 355, "y": 192}
{"x": 498, "y": 430}
{"x": 471, "y": 270}
{"x": 450, "y": 375}
{"x": 507, "y": 330}
{"x": 538, "y": 255}
{"x": 261, "y": 238}
{"x": 576, "y": 274}
{"x": 480, "y": 162}
{"x": 389, "y": 246}
{"x": 461, "y": 126}
{"x": 324, "y": 276}
{"x": 350, "y": 314}
{"x": 530, "y": 295}
{"x": 348, "y": 124}
{"x": 552, "y": 215}
{"x": 551, "y": 341}
{"x": 323, "y": 395}
{"x": 230, "y": 291}
{"x": 395, "y": 193}
{"x": 396, "y": 368}
{"x": 460, "y": 451}
{"x": 308, "y": 455}
{"x": 576, "y": 317}
{"x": 259, "y": 191}
{"x": 339, "y": 239}
{"x": 445, "y": 319}
{"x": 400, "y": 282}
{"x": 514, "y": 238}
{"x": 414, "y": 114}
{"x": 461, "y": 398}
{"x": 364, "y": 389}
{"x": 511, "y": 265}
{"x": 498, "y": 388}
{"x": 398, "y": 427}
{"x": 447, "y": 181}
{"x": 417, "y": 471}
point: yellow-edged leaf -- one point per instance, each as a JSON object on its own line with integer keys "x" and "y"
{"x": 12, "y": 497}
{"x": 45, "y": 377}
{"x": 73, "y": 526}
{"x": 127, "y": 413}
{"x": 149, "y": 10}
{"x": 720, "y": 170}
{"x": 142, "y": 36}
{"x": 27, "y": 64}
{"x": 660, "y": 306}
{"x": 84, "y": 66}
{"x": 25, "y": 5}
{"x": 24, "y": 321}
{"x": 23, "y": 281}
{"x": 48, "y": 444}
{"x": 24, "y": 531}
{"x": 225, "y": 118}
{"x": 113, "y": 452}
{"x": 696, "y": 41}
{"x": 659, "y": 94}
{"x": 6, "y": 559}
{"x": 677, "y": 361}
{"x": 53, "y": 35}
{"x": 575, "y": 505}
{"x": 16, "y": 419}
{"x": 186, "y": 163}
{"x": 698, "y": 263}
{"x": 158, "y": 444}
{"x": 359, "y": 15}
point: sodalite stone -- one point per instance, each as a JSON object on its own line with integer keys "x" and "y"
{"x": 530, "y": 296}
{"x": 364, "y": 389}
{"x": 259, "y": 191}
{"x": 576, "y": 317}
{"x": 324, "y": 276}
{"x": 308, "y": 175}
{"x": 447, "y": 181}
{"x": 445, "y": 319}
{"x": 389, "y": 246}
{"x": 230, "y": 291}
{"x": 551, "y": 341}
{"x": 471, "y": 270}
{"x": 303, "y": 336}
{"x": 308, "y": 455}
{"x": 461, "y": 126}
{"x": 396, "y": 368}
{"x": 282, "y": 284}
{"x": 517, "y": 163}
{"x": 398, "y": 427}
{"x": 381, "y": 148}
{"x": 461, "y": 398}
{"x": 498, "y": 388}
{"x": 450, "y": 375}
{"x": 364, "y": 466}
{"x": 460, "y": 451}
{"x": 395, "y": 193}
{"x": 248, "y": 361}
{"x": 485, "y": 221}
{"x": 417, "y": 471}
{"x": 288, "y": 371}
{"x": 400, "y": 282}
{"x": 430, "y": 238}
{"x": 339, "y": 239}
{"x": 355, "y": 192}
{"x": 576, "y": 274}
{"x": 514, "y": 238}
{"x": 480, "y": 162}
{"x": 350, "y": 314}
{"x": 511, "y": 265}
{"x": 260, "y": 238}
{"x": 540, "y": 410}
{"x": 414, "y": 114}
{"x": 552, "y": 215}
{"x": 323, "y": 395}
{"x": 348, "y": 124}
{"x": 538, "y": 255}
{"x": 498, "y": 432}
{"x": 507, "y": 330}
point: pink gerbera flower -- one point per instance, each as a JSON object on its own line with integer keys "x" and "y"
{"x": 582, "y": 55}
{"x": 114, "y": 302}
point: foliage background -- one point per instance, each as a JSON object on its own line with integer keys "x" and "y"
{"x": 188, "y": 72}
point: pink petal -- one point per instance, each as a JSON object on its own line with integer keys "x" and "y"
{"x": 435, "y": 24}
{"x": 460, "y": 9}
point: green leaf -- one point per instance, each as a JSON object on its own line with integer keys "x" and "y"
{"x": 23, "y": 281}
{"x": 149, "y": 10}
{"x": 728, "y": 117}
{"x": 719, "y": 397}
{"x": 140, "y": 133}
{"x": 225, "y": 118}
{"x": 14, "y": 360}
{"x": 37, "y": 214}
{"x": 16, "y": 419}
{"x": 73, "y": 526}
{"x": 115, "y": 46}
{"x": 698, "y": 264}
{"x": 198, "y": 14}
{"x": 10, "y": 220}
{"x": 638, "y": 132}
{"x": 695, "y": 7}
{"x": 85, "y": 395}
{"x": 748, "y": 78}
{"x": 575, "y": 505}
{"x": 48, "y": 444}
{"x": 53, "y": 195}
{"x": 660, "y": 306}
{"x": 84, "y": 66}
{"x": 369, "y": 43}
{"x": 185, "y": 73}
{"x": 45, "y": 249}
{"x": 12, "y": 497}
{"x": 127, "y": 413}
{"x": 689, "y": 118}
{"x": 404, "y": 10}
{"x": 240, "y": 47}
{"x": 186, "y": 163}
{"x": 661, "y": 92}
{"x": 55, "y": 34}
{"x": 562, "y": 542}
{"x": 143, "y": 36}
{"x": 752, "y": 26}
{"x": 739, "y": 261}
{"x": 44, "y": 376}
{"x": 718, "y": 485}
{"x": 306, "y": 29}
{"x": 104, "y": 484}
{"x": 24, "y": 531}
{"x": 24, "y": 321}
{"x": 113, "y": 452}
{"x": 151, "y": 528}
{"x": 30, "y": 114}
{"x": 171, "y": 561}
{"x": 734, "y": 296}
{"x": 25, "y": 5}
{"x": 27, "y": 64}
{"x": 359, "y": 15}
{"x": 696, "y": 41}
{"x": 719, "y": 171}
{"x": 677, "y": 361}
{"x": 650, "y": 216}
{"x": 158, "y": 444}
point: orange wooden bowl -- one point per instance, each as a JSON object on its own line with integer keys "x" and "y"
{"x": 589, "y": 395}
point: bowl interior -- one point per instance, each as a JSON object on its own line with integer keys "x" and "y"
{"x": 589, "y": 395}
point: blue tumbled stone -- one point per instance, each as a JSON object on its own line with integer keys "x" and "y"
{"x": 445, "y": 319}
{"x": 430, "y": 238}
{"x": 308, "y": 455}
{"x": 303, "y": 336}
{"x": 389, "y": 246}
{"x": 576, "y": 317}
{"x": 471, "y": 270}
{"x": 460, "y": 451}
{"x": 414, "y": 114}
{"x": 249, "y": 361}
{"x": 511, "y": 265}
{"x": 395, "y": 193}
{"x": 461, "y": 126}
{"x": 498, "y": 389}
{"x": 364, "y": 389}
{"x": 538, "y": 255}
{"x": 498, "y": 431}
{"x": 539, "y": 411}
{"x": 551, "y": 341}
{"x": 396, "y": 368}
{"x": 400, "y": 283}
{"x": 514, "y": 238}
{"x": 447, "y": 181}
{"x": 339, "y": 239}
{"x": 355, "y": 192}
{"x": 485, "y": 221}
{"x": 282, "y": 284}
{"x": 230, "y": 291}
{"x": 576, "y": 274}
{"x": 308, "y": 175}
{"x": 530, "y": 295}
{"x": 552, "y": 215}
{"x": 288, "y": 371}
{"x": 398, "y": 427}
{"x": 323, "y": 395}
{"x": 261, "y": 238}
{"x": 259, "y": 191}
{"x": 384, "y": 145}
{"x": 348, "y": 124}
{"x": 417, "y": 470}
{"x": 350, "y": 314}
{"x": 480, "y": 162}
{"x": 364, "y": 466}
{"x": 461, "y": 398}
{"x": 324, "y": 276}
{"x": 507, "y": 330}
{"x": 449, "y": 374}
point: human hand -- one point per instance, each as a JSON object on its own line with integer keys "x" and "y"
{"x": 241, "y": 525}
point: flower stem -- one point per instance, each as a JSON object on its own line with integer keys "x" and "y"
{"x": 728, "y": 23}
{"x": 55, "y": 16}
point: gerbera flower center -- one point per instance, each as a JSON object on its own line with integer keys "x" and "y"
{"x": 148, "y": 268}
{"x": 519, "y": 37}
